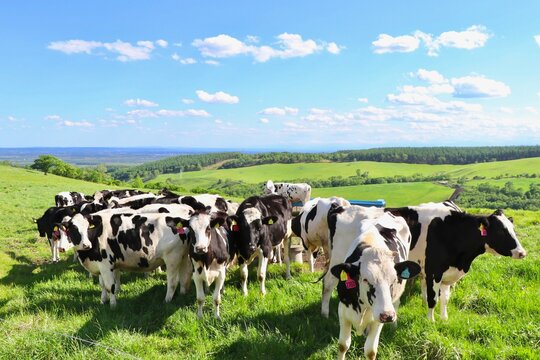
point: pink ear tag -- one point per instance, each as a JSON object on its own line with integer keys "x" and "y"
{"x": 56, "y": 233}
{"x": 180, "y": 230}
{"x": 235, "y": 228}
{"x": 350, "y": 283}
{"x": 483, "y": 230}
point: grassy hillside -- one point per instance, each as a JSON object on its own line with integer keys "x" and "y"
{"x": 52, "y": 311}
{"x": 393, "y": 194}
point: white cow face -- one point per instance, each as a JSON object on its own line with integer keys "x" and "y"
{"x": 64, "y": 244}
{"x": 202, "y": 227}
{"x": 500, "y": 237}
{"x": 77, "y": 231}
{"x": 370, "y": 282}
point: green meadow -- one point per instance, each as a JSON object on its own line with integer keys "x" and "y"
{"x": 52, "y": 311}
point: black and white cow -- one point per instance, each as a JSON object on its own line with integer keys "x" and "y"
{"x": 49, "y": 226}
{"x": 344, "y": 224}
{"x": 371, "y": 280}
{"x": 446, "y": 241}
{"x": 69, "y": 198}
{"x": 131, "y": 242}
{"x": 264, "y": 223}
{"x": 104, "y": 196}
{"x": 294, "y": 192}
{"x": 210, "y": 253}
{"x": 311, "y": 225}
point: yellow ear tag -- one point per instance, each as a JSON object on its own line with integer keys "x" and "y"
{"x": 217, "y": 226}
{"x": 270, "y": 222}
{"x": 343, "y": 275}
{"x": 55, "y": 228}
{"x": 92, "y": 226}
{"x": 233, "y": 223}
{"x": 179, "y": 225}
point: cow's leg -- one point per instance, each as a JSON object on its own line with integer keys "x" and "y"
{"x": 345, "y": 326}
{"x": 243, "y": 275}
{"x": 276, "y": 254}
{"x": 75, "y": 255}
{"x": 220, "y": 280}
{"x": 198, "y": 279}
{"x": 104, "y": 294}
{"x": 423, "y": 287}
{"x": 261, "y": 271}
{"x": 107, "y": 281}
{"x": 432, "y": 295}
{"x": 445, "y": 296}
{"x": 186, "y": 271}
{"x": 286, "y": 256}
{"x": 311, "y": 260}
{"x": 117, "y": 281}
{"x": 329, "y": 283}
{"x": 172, "y": 262}
{"x": 372, "y": 340}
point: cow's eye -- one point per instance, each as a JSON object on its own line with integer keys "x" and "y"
{"x": 365, "y": 281}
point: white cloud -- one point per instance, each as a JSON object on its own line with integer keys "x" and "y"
{"x": 68, "y": 123}
{"x": 473, "y": 37}
{"x": 140, "y": 102}
{"x": 479, "y": 86}
{"x": 211, "y": 62}
{"x": 187, "y": 101}
{"x": 363, "y": 100}
{"x": 141, "y": 113}
{"x": 537, "y": 39}
{"x": 12, "y": 118}
{"x": 333, "y": 48}
{"x": 218, "y": 121}
{"x": 506, "y": 110}
{"x": 531, "y": 110}
{"x": 287, "y": 46}
{"x": 75, "y": 46}
{"x": 264, "y": 120}
{"x": 53, "y": 117}
{"x": 125, "y": 51}
{"x": 219, "y": 97}
{"x": 279, "y": 111}
{"x": 252, "y": 39}
{"x": 184, "y": 61}
{"x": 431, "y": 76}
{"x": 162, "y": 43}
{"x": 538, "y": 93}
{"x": 389, "y": 44}
{"x": 144, "y": 113}
{"x": 188, "y": 61}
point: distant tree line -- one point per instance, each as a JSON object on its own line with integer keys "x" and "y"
{"x": 53, "y": 165}
{"x": 505, "y": 197}
{"x": 171, "y": 165}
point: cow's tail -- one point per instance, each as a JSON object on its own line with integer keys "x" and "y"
{"x": 321, "y": 277}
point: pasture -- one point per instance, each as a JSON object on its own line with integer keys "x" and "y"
{"x": 52, "y": 311}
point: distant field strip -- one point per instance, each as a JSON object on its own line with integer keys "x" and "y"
{"x": 280, "y": 172}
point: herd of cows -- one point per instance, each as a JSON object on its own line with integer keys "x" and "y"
{"x": 370, "y": 251}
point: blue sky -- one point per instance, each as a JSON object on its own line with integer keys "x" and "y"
{"x": 281, "y": 74}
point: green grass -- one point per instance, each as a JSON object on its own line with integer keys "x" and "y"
{"x": 52, "y": 311}
{"x": 284, "y": 172}
{"x": 400, "y": 194}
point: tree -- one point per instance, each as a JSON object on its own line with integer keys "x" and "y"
{"x": 45, "y": 163}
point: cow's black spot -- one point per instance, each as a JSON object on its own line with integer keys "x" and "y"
{"x": 310, "y": 216}
{"x": 113, "y": 288}
{"x": 114, "y": 245}
{"x": 143, "y": 262}
{"x": 371, "y": 294}
{"x": 116, "y": 221}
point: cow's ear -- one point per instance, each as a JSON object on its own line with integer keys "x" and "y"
{"x": 217, "y": 222}
{"x": 347, "y": 269}
{"x": 511, "y": 219}
{"x": 94, "y": 221}
{"x": 208, "y": 209}
{"x": 407, "y": 269}
{"x": 498, "y": 212}
{"x": 269, "y": 220}
{"x": 176, "y": 222}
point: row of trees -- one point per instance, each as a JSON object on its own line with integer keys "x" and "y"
{"x": 506, "y": 197}
{"x": 227, "y": 160}
{"x": 53, "y": 165}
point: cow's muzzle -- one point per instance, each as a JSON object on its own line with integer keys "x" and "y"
{"x": 201, "y": 249}
{"x": 387, "y": 317}
{"x": 519, "y": 254}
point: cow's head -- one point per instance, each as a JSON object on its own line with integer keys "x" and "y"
{"x": 203, "y": 226}
{"x": 252, "y": 228}
{"x": 61, "y": 233}
{"x": 269, "y": 188}
{"x": 500, "y": 237}
{"x": 78, "y": 230}
{"x": 372, "y": 280}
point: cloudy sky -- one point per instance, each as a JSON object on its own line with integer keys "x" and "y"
{"x": 279, "y": 74}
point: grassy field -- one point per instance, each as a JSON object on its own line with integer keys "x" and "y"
{"x": 283, "y": 172}
{"x": 52, "y": 311}
{"x": 400, "y": 194}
